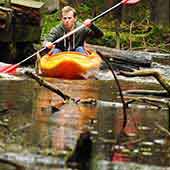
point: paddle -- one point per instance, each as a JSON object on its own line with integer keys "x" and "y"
{"x": 13, "y": 67}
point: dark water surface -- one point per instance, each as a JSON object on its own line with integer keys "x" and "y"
{"x": 36, "y": 135}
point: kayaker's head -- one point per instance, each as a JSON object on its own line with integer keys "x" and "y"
{"x": 69, "y": 17}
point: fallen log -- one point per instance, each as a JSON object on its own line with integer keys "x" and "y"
{"x": 133, "y": 58}
{"x": 117, "y": 67}
{"x": 149, "y": 72}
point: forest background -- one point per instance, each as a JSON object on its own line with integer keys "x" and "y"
{"x": 143, "y": 26}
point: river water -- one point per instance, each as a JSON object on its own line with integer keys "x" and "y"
{"x": 38, "y": 131}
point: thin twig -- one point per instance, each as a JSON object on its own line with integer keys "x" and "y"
{"x": 162, "y": 128}
{"x": 120, "y": 90}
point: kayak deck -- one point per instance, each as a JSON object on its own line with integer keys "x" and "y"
{"x": 69, "y": 65}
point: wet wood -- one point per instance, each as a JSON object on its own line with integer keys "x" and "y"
{"x": 121, "y": 66}
{"x": 162, "y": 129}
{"x": 17, "y": 166}
{"x": 161, "y": 93}
{"x": 149, "y": 72}
{"x": 47, "y": 85}
{"x": 132, "y": 58}
{"x": 149, "y": 100}
{"x": 54, "y": 89}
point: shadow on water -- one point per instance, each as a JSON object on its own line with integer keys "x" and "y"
{"x": 82, "y": 154}
{"x": 39, "y": 132}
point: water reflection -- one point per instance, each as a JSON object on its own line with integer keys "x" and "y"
{"x": 65, "y": 124}
{"x": 41, "y": 125}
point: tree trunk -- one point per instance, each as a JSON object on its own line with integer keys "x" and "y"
{"x": 160, "y": 11}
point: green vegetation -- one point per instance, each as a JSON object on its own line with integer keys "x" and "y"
{"x": 49, "y": 22}
{"x": 135, "y": 32}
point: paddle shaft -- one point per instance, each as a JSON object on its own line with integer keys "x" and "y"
{"x": 82, "y": 26}
{"x": 18, "y": 64}
{"x": 107, "y": 11}
{"x": 63, "y": 37}
{"x": 56, "y": 41}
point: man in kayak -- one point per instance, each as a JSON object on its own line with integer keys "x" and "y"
{"x": 74, "y": 42}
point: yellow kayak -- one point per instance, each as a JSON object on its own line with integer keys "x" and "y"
{"x": 69, "y": 65}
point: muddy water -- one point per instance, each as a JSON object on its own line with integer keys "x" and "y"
{"x": 38, "y": 132}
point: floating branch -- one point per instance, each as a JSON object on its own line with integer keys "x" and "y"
{"x": 57, "y": 91}
{"x": 48, "y": 85}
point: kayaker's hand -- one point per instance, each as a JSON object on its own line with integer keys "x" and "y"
{"x": 49, "y": 45}
{"x": 87, "y": 23}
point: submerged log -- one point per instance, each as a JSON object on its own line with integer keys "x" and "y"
{"x": 162, "y": 93}
{"x": 149, "y": 100}
{"x": 13, "y": 164}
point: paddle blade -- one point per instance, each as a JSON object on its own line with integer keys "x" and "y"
{"x": 130, "y": 1}
{"x": 9, "y": 69}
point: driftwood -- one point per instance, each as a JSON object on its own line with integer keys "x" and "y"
{"x": 54, "y": 89}
{"x": 120, "y": 66}
{"x": 149, "y": 72}
{"x": 162, "y": 129}
{"x": 15, "y": 165}
{"x": 160, "y": 78}
{"x": 146, "y": 73}
{"x": 47, "y": 85}
{"x": 149, "y": 100}
{"x": 128, "y": 58}
{"x": 136, "y": 56}
{"x": 161, "y": 93}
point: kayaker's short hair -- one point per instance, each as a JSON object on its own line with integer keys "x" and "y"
{"x": 67, "y": 9}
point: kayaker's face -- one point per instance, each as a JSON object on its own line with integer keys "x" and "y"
{"x": 69, "y": 20}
